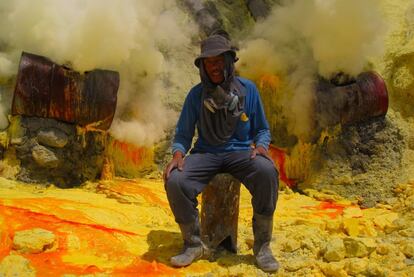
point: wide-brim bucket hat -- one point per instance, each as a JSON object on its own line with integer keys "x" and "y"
{"x": 215, "y": 45}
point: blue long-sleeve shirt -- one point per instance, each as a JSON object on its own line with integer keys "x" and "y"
{"x": 252, "y": 128}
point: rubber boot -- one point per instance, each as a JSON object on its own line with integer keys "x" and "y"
{"x": 262, "y": 231}
{"x": 194, "y": 248}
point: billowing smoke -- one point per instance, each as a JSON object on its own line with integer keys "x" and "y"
{"x": 141, "y": 39}
{"x": 302, "y": 39}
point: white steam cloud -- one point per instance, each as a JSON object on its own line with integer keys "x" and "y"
{"x": 302, "y": 39}
{"x": 138, "y": 38}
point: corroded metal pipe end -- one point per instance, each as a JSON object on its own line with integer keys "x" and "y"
{"x": 48, "y": 90}
{"x": 364, "y": 98}
{"x": 367, "y": 98}
{"x": 376, "y": 91}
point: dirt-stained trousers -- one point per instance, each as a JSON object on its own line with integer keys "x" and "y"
{"x": 258, "y": 175}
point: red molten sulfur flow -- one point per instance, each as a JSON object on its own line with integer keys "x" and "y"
{"x": 327, "y": 208}
{"x": 279, "y": 157}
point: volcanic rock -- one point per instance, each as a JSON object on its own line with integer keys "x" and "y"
{"x": 359, "y": 247}
{"x": 75, "y": 154}
{"x": 335, "y": 250}
{"x": 409, "y": 232}
{"x": 44, "y": 157}
{"x": 205, "y": 15}
{"x": 385, "y": 221}
{"x": 374, "y": 269}
{"x": 17, "y": 133}
{"x": 334, "y": 225}
{"x": 297, "y": 263}
{"x": 258, "y": 8}
{"x": 355, "y": 266}
{"x": 351, "y": 226}
{"x": 385, "y": 248}
{"x": 52, "y": 137}
{"x": 33, "y": 241}
{"x": 291, "y": 245}
{"x": 407, "y": 247}
{"x": 15, "y": 265}
{"x": 334, "y": 269}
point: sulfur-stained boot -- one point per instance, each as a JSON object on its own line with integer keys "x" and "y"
{"x": 194, "y": 248}
{"x": 262, "y": 230}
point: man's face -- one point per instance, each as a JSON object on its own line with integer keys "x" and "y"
{"x": 214, "y": 67}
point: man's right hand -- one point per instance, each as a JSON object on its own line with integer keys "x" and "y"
{"x": 176, "y": 162}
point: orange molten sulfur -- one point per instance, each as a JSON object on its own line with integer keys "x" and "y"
{"x": 99, "y": 239}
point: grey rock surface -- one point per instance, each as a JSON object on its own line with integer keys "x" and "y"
{"x": 52, "y": 137}
{"x": 16, "y": 265}
{"x": 33, "y": 240}
{"x": 44, "y": 157}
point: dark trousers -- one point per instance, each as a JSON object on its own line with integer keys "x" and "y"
{"x": 259, "y": 175}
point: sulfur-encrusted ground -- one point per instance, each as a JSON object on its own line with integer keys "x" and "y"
{"x": 125, "y": 228}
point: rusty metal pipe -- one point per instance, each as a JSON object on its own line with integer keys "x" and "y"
{"x": 46, "y": 89}
{"x": 364, "y": 98}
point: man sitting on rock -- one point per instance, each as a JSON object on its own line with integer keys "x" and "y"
{"x": 233, "y": 137}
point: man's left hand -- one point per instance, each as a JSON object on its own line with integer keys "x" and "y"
{"x": 260, "y": 150}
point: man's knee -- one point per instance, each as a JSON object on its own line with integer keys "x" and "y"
{"x": 179, "y": 185}
{"x": 173, "y": 183}
{"x": 266, "y": 168}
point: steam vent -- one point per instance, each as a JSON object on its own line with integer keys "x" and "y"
{"x": 83, "y": 149}
{"x": 59, "y": 121}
